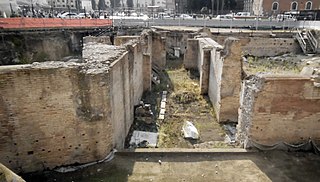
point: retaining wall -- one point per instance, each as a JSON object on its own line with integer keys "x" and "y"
{"x": 279, "y": 109}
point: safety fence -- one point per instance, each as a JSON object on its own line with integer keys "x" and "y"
{"x": 35, "y": 23}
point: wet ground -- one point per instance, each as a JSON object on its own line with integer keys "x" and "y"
{"x": 199, "y": 166}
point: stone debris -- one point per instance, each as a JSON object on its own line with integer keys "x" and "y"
{"x": 144, "y": 139}
{"x": 163, "y": 105}
{"x": 144, "y": 113}
{"x": 155, "y": 79}
{"x": 231, "y": 131}
{"x": 189, "y": 130}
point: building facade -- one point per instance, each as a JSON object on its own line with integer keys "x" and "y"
{"x": 63, "y": 4}
{"x": 274, "y": 7}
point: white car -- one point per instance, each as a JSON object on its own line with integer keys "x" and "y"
{"x": 185, "y": 16}
{"x": 83, "y": 15}
{"x": 224, "y": 17}
{"x": 67, "y": 15}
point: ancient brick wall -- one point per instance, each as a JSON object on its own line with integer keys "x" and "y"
{"x": 120, "y": 40}
{"x": 190, "y": 60}
{"x": 231, "y": 80}
{"x": 262, "y": 47}
{"x": 58, "y": 113}
{"x": 25, "y": 48}
{"x": 279, "y": 109}
{"x": 220, "y": 73}
{"x": 158, "y": 50}
{"x": 53, "y": 116}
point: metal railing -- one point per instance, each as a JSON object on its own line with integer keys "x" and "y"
{"x": 313, "y": 41}
{"x": 301, "y": 41}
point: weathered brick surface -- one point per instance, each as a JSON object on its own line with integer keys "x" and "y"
{"x": 52, "y": 117}
{"x": 230, "y": 80}
{"x": 158, "y": 50}
{"x": 283, "y": 110}
{"x": 270, "y": 46}
{"x": 190, "y": 60}
{"x": 54, "y": 114}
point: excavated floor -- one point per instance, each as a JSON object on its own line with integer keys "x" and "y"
{"x": 199, "y": 166}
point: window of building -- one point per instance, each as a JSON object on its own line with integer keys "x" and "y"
{"x": 308, "y": 5}
{"x": 72, "y": 6}
{"x": 63, "y": 1}
{"x": 275, "y": 6}
{"x": 63, "y": 5}
{"x": 71, "y": 1}
{"x": 294, "y": 6}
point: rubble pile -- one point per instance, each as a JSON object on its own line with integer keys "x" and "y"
{"x": 144, "y": 113}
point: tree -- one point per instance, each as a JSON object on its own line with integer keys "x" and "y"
{"x": 130, "y": 3}
{"x": 102, "y": 5}
{"x": 94, "y": 5}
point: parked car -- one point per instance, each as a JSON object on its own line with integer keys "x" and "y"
{"x": 67, "y": 15}
{"x": 83, "y": 15}
{"x": 185, "y": 16}
{"x": 224, "y": 17}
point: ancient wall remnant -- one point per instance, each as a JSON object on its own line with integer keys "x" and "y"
{"x": 279, "y": 108}
{"x": 158, "y": 49}
{"x": 120, "y": 40}
{"x": 220, "y": 73}
{"x": 262, "y": 47}
{"x": 25, "y": 48}
{"x": 61, "y": 113}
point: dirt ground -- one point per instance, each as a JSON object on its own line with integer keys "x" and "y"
{"x": 184, "y": 103}
{"x": 175, "y": 167}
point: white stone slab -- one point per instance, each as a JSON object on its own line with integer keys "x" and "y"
{"x": 161, "y": 116}
{"x": 162, "y": 111}
{"x": 163, "y": 105}
{"x": 140, "y": 136}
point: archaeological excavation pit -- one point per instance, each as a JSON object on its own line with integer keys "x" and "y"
{"x": 244, "y": 93}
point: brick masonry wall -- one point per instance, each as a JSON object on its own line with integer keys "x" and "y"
{"x": 57, "y": 113}
{"x": 158, "y": 50}
{"x": 282, "y": 108}
{"x": 53, "y": 116}
{"x": 270, "y": 47}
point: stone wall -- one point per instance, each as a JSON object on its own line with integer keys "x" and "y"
{"x": 53, "y": 116}
{"x": 230, "y": 80}
{"x": 25, "y": 48}
{"x": 190, "y": 60}
{"x": 263, "y": 47}
{"x": 220, "y": 73}
{"x": 120, "y": 40}
{"x": 279, "y": 109}
{"x": 158, "y": 50}
{"x": 57, "y": 113}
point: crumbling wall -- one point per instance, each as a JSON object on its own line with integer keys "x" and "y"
{"x": 176, "y": 40}
{"x": 216, "y": 65}
{"x": 230, "y": 80}
{"x": 279, "y": 109}
{"x": 120, "y": 40}
{"x": 220, "y": 77}
{"x": 190, "y": 60}
{"x": 52, "y": 116}
{"x": 262, "y": 47}
{"x": 158, "y": 50}
{"x": 58, "y": 113}
{"x": 25, "y": 48}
